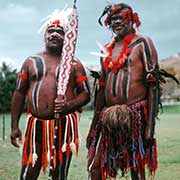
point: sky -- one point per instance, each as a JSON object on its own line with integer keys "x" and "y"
{"x": 20, "y": 21}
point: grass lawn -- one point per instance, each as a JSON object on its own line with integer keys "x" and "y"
{"x": 167, "y": 133}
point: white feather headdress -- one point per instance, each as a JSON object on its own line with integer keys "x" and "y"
{"x": 57, "y": 15}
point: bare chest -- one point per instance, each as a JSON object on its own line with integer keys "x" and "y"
{"x": 119, "y": 85}
{"x": 41, "y": 68}
{"x": 116, "y": 51}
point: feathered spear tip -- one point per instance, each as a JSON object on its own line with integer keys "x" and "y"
{"x": 104, "y": 53}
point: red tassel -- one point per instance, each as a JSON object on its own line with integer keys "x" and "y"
{"x": 76, "y": 141}
{"x": 136, "y": 19}
{"x": 25, "y": 156}
{"x": 60, "y": 156}
{"x": 54, "y": 159}
{"x": 68, "y": 149}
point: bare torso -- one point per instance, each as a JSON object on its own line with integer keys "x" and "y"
{"x": 43, "y": 85}
{"x": 127, "y": 86}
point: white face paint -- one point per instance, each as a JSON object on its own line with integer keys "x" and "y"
{"x": 54, "y": 37}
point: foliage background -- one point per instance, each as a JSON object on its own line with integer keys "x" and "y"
{"x": 8, "y": 78}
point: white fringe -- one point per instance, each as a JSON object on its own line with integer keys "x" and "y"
{"x": 90, "y": 166}
{"x": 48, "y": 142}
{"x": 34, "y": 155}
{"x": 78, "y": 115}
{"x": 65, "y": 135}
{"x": 72, "y": 144}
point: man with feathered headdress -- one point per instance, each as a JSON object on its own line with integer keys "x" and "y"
{"x": 42, "y": 78}
{"x": 121, "y": 136}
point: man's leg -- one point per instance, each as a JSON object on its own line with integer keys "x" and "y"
{"x": 31, "y": 173}
{"x": 61, "y": 171}
{"x": 95, "y": 169}
{"x": 138, "y": 175}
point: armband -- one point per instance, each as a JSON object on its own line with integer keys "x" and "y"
{"x": 150, "y": 78}
{"x": 22, "y": 76}
{"x": 81, "y": 79}
{"x": 102, "y": 84}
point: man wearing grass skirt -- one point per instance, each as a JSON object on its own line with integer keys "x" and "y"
{"x": 121, "y": 136}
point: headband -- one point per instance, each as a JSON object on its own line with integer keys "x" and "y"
{"x": 123, "y": 9}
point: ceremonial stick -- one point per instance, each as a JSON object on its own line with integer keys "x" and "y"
{"x": 66, "y": 61}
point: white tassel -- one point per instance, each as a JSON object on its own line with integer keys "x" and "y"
{"x": 104, "y": 52}
{"x": 34, "y": 155}
{"x": 79, "y": 135}
{"x": 34, "y": 159}
{"x": 73, "y": 147}
{"x": 72, "y": 144}
{"x": 65, "y": 135}
{"x": 48, "y": 142}
{"x": 64, "y": 147}
{"x": 20, "y": 149}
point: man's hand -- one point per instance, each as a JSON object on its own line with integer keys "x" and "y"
{"x": 148, "y": 139}
{"x": 16, "y": 137}
{"x": 147, "y": 132}
{"x": 61, "y": 107}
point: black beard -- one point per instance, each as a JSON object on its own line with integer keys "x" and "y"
{"x": 54, "y": 50}
{"x": 119, "y": 37}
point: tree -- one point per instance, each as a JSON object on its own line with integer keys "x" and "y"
{"x": 8, "y": 78}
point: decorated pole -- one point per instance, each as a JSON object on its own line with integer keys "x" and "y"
{"x": 66, "y": 61}
{"x": 67, "y": 54}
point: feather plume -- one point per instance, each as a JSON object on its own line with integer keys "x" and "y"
{"x": 168, "y": 75}
{"x": 104, "y": 53}
{"x": 61, "y": 15}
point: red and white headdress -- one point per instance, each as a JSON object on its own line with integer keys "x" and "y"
{"x": 124, "y": 10}
{"x": 57, "y": 17}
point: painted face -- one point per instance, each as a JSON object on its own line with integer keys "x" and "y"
{"x": 121, "y": 24}
{"x": 54, "y": 36}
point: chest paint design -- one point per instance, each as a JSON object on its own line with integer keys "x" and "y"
{"x": 118, "y": 84}
{"x": 40, "y": 69}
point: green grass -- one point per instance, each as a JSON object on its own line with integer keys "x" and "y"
{"x": 167, "y": 133}
{"x": 171, "y": 109}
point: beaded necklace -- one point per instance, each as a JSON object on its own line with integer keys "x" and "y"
{"x": 109, "y": 64}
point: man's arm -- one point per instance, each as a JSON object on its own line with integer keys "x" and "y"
{"x": 150, "y": 59}
{"x": 17, "y": 105}
{"x": 99, "y": 105}
{"x": 64, "y": 107}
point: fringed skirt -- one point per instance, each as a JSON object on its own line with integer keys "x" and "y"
{"x": 119, "y": 136}
{"x": 42, "y": 131}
